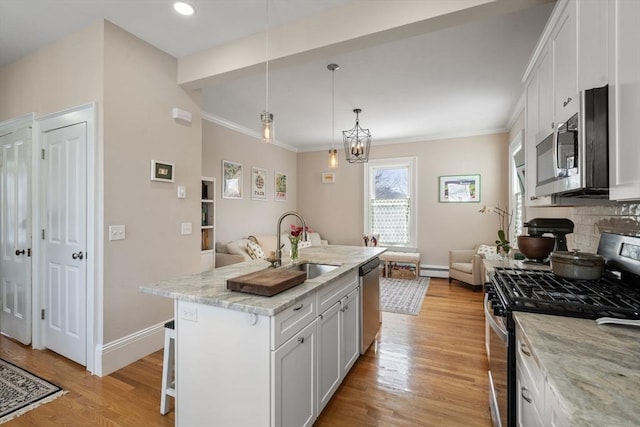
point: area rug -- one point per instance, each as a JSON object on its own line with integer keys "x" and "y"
{"x": 21, "y": 391}
{"x": 402, "y": 296}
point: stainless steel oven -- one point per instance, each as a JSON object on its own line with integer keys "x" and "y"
{"x": 498, "y": 339}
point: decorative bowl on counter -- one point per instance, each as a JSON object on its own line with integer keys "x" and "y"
{"x": 536, "y": 247}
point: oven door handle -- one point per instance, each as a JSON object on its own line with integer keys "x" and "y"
{"x": 500, "y": 330}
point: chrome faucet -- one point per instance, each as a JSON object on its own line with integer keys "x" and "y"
{"x": 278, "y": 260}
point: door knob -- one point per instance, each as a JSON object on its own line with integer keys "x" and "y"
{"x": 77, "y": 255}
{"x": 19, "y": 252}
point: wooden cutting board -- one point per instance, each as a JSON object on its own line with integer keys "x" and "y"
{"x": 267, "y": 282}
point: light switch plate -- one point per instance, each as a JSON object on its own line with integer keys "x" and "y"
{"x": 182, "y": 192}
{"x": 117, "y": 232}
{"x": 186, "y": 228}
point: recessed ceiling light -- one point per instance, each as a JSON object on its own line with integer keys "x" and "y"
{"x": 183, "y": 8}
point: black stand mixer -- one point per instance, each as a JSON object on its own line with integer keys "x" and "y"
{"x": 559, "y": 227}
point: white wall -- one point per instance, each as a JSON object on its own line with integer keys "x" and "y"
{"x": 134, "y": 86}
{"x": 336, "y": 210}
{"x": 241, "y": 218}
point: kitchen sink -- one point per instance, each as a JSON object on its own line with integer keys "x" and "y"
{"x": 313, "y": 269}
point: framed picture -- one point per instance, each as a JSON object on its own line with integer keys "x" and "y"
{"x": 231, "y": 180}
{"x": 258, "y": 184}
{"x": 459, "y": 189}
{"x": 280, "y": 187}
{"x": 161, "y": 171}
{"x": 328, "y": 178}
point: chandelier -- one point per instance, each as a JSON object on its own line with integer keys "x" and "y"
{"x": 357, "y": 142}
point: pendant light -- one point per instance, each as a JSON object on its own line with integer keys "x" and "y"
{"x": 357, "y": 142}
{"x": 333, "y": 153}
{"x": 266, "y": 117}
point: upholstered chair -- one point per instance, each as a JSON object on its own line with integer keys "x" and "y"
{"x": 465, "y": 265}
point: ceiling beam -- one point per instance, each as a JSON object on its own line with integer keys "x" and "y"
{"x": 335, "y": 31}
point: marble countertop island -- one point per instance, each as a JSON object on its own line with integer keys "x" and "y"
{"x": 594, "y": 368}
{"x": 210, "y": 287}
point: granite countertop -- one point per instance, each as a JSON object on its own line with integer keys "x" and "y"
{"x": 594, "y": 368}
{"x": 210, "y": 287}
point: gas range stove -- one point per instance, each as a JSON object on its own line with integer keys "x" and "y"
{"x": 615, "y": 296}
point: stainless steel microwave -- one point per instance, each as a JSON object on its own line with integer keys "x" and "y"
{"x": 574, "y": 159}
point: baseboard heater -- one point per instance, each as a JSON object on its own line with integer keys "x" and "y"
{"x": 434, "y": 271}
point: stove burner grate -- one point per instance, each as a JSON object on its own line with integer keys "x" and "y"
{"x": 543, "y": 292}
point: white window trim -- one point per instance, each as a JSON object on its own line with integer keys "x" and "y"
{"x": 514, "y": 146}
{"x": 412, "y": 164}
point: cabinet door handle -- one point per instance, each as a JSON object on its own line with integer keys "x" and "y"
{"x": 298, "y": 307}
{"x": 533, "y": 198}
{"x": 301, "y": 340}
{"x": 523, "y": 391}
{"x": 525, "y": 350}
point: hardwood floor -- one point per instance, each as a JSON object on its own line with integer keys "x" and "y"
{"x": 428, "y": 370}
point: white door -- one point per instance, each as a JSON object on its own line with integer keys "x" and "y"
{"x": 15, "y": 234}
{"x": 65, "y": 241}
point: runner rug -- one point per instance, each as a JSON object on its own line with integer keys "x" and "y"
{"x": 21, "y": 391}
{"x": 402, "y": 296}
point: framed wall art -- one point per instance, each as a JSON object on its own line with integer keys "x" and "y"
{"x": 459, "y": 189}
{"x": 161, "y": 171}
{"x": 231, "y": 180}
{"x": 280, "y": 193}
{"x": 328, "y": 178}
{"x": 258, "y": 184}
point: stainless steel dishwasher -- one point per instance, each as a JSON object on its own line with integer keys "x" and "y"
{"x": 371, "y": 320}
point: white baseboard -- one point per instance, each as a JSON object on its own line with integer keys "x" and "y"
{"x": 434, "y": 271}
{"x": 119, "y": 353}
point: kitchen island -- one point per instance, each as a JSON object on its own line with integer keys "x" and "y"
{"x": 244, "y": 359}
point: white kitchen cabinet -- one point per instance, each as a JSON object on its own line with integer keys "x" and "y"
{"x": 556, "y": 415}
{"x": 565, "y": 65}
{"x": 592, "y": 44}
{"x": 624, "y": 100}
{"x": 531, "y": 133}
{"x": 350, "y": 315}
{"x": 329, "y": 349}
{"x": 545, "y": 95}
{"x": 528, "y": 409}
{"x": 338, "y": 335}
{"x": 530, "y": 383}
{"x": 294, "y": 380}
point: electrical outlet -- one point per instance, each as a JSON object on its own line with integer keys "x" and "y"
{"x": 189, "y": 312}
{"x": 117, "y": 232}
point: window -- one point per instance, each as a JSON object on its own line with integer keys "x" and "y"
{"x": 390, "y": 201}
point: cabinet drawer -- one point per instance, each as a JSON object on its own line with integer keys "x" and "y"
{"x": 530, "y": 368}
{"x": 289, "y": 322}
{"x": 333, "y": 293}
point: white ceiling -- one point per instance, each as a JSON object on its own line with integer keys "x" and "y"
{"x": 459, "y": 80}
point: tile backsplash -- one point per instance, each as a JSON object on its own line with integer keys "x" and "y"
{"x": 590, "y": 221}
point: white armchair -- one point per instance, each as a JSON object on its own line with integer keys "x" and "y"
{"x": 465, "y": 265}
